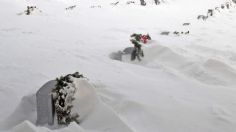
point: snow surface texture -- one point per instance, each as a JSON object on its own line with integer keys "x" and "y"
{"x": 86, "y": 103}
{"x": 185, "y": 83}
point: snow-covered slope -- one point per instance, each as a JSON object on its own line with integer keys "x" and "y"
{"x": 185, "y": 83}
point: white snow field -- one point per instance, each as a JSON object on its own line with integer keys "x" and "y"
{"x": 185, "y": 83}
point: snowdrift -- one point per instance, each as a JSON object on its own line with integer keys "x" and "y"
{"x": 94, "y": 114}
{"x": 206, "y": 70}
{"x": 184, "y": 83}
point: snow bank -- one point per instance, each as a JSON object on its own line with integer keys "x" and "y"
{"x": 26, "y": 110}
{"x": 94, "y": 114}
{"x": 209, "y": 71}
{"x": 27, "y": 126}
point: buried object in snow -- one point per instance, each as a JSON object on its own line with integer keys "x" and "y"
{"x": 30, "y": 11}
{"x": 141, "y": 38}
{"x": 136, "y": 40}
{"x": 118, "y": 55}
{"x": 126, "y": 52}
{"x": 45, "y": 107}
{"x": 94, "y": 113}
{"x": 54, "y": 101}
{"x": 135, "y": 52}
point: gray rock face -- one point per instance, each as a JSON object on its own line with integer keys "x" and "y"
{"x": 45, "y": 106}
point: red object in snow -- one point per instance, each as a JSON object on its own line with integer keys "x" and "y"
{"x": 143, "y": 38}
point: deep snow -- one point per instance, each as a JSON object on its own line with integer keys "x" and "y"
{"x": 185, "y": 83}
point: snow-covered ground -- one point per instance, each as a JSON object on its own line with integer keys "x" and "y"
{"x": 184, "y": 83}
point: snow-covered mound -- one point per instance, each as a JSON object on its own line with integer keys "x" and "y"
{"x": 26, "y": 110}
{"x": 207, "y": 70}
{"x": 27, "y": 126}
{"x": 94, "y": 114}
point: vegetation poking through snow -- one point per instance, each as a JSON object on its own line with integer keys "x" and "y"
{"x": 30, "y": 10}
{"x": 96, "y": 6}
{"x": 211, "y": 12}
{"x": 178, "y": 33}
{"x": 63, "y": 96}
{"x": 115, "y": 3}
{"x": 130, "y": 2}
{"x": 71, "y": 7}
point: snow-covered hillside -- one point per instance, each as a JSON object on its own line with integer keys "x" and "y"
{"x": 185, "y": 83}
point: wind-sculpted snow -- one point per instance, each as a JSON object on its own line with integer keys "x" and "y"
{"x": 196, "y": 66}
{"x": 26, "y": 110}
{"x": 184, "y": 83}
{"x": 94, "y": 114}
